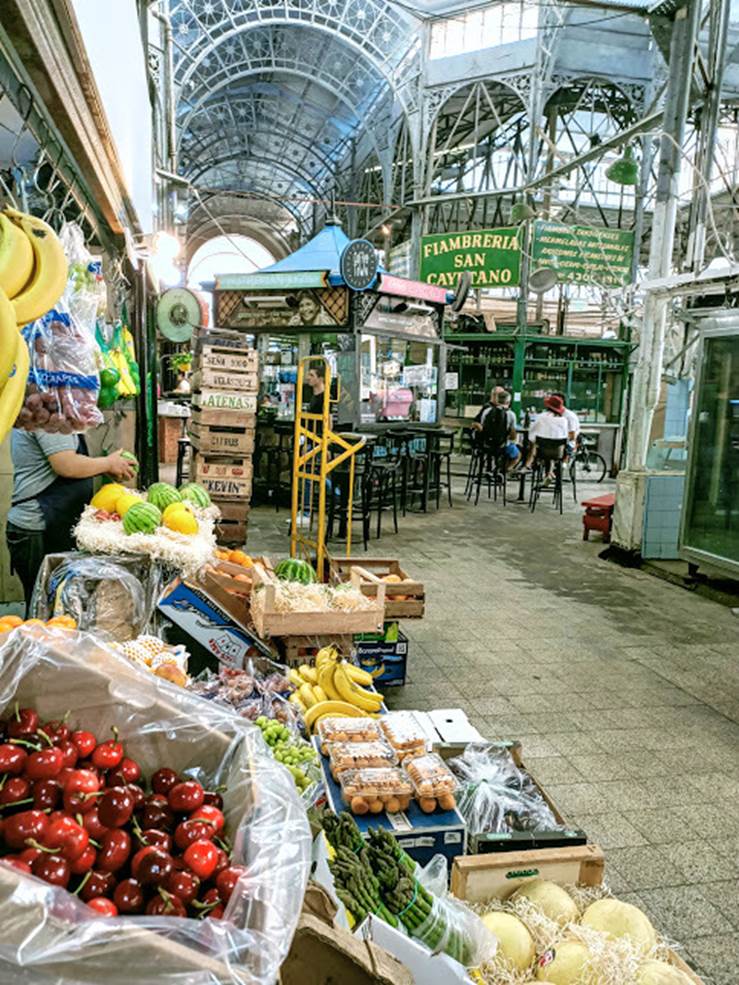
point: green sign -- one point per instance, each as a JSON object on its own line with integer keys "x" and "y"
{"x": 279, "y": 280}
{"x": 582, "y": 255}
{"x": 492, "y": 256}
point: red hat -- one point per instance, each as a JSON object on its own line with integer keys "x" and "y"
{"x": 555, "y": 404}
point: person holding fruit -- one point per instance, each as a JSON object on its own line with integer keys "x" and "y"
{"x": 52, "y": 482}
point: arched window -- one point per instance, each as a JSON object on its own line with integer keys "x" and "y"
{"x": 233, "y": 254}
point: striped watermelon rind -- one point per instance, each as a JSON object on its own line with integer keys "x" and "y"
{"x": 295, "y": 569}
{"x": 143, "y": 518}
{"x": 162, "y": 495}
{"x": 195, "y": 494}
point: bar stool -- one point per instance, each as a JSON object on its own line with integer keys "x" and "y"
{"x": 416, "y": 469}
{"x": 441, "y": 455}
{"x": 549, "y": 455}
{"x": 385, "y": 467}
{"x": 183, "y": 460}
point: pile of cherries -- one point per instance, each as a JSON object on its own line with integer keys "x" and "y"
{"x": 75, "y": 813}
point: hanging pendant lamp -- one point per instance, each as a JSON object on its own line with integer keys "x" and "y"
{"x": 521, "y": 212}
{"x": 624, "y": 171}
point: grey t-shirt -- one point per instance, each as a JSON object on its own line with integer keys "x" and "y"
{"x": 33, "y": 473}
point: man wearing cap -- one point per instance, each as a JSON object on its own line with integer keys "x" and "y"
{"x": 551, "y": 425}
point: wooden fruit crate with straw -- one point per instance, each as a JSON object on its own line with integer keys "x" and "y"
{"x": 404, "y": 598}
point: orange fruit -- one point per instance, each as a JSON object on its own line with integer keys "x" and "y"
{"x": 5, "y": 627}
{"x": 34, "y": 622}
{"x": 67, "y": 622}
{"x": 242, "y": 578}
{"x": 237, "y": 557}
{"x": 222, "y": 555}
{"x": 12, "y": 620}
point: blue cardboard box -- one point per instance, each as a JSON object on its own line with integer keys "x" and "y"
{"x": 389, "y": 658}
{"x": 421, "y": 835}
{"x": 196, "y": 612}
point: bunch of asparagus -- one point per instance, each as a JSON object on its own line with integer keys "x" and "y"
{"x": 356, "y": 885}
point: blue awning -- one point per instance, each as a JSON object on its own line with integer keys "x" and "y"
{"x": 323, "y": 252}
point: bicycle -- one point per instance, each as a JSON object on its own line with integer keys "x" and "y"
{"x": 591, "y": 465}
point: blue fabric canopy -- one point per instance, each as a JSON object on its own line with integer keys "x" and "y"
{"x": 320, "y": 253}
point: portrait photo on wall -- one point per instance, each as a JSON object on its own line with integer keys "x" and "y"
{"x": 319, "y": 308}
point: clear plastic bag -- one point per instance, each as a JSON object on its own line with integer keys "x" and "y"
{"x": 496, "y": 796}
{"x": 49, "y": 936}
{"x": 452, "y": 928}
{"x": 358, "y": 755}
{"x": 113, "y": 597}
{"x": 403, "y": 733}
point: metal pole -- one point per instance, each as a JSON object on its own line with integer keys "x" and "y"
{"x": 645, "y": 391}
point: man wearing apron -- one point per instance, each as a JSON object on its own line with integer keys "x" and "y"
{"x": 52, "y": 482}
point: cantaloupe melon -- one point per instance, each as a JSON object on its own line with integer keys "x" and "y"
{"x": 553, "y": 901}
{"x": 515, "y": 944}
{"x": 661, "y": 973}
{"x": 619, "y": 919}
{"x": 565, "y": 964}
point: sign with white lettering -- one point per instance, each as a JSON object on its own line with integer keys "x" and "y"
{"x": 492, "y": 256}
{"x": 582, "y": 254}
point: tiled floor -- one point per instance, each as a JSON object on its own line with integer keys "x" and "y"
{"x": 623, "y": 689}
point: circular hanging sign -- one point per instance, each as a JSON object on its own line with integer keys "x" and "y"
{"x": 358, "y": 264}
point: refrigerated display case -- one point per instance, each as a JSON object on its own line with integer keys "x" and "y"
{"x": 709, "y": 532}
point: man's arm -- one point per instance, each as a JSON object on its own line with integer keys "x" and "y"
{"x": 71, "y": 465}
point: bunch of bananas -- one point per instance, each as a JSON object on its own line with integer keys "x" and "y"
{"x": 33, "y": 275}
{"x": 333, "y": 688}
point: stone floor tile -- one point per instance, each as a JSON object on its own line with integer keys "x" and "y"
{"x": 725, "y": 897}
{"x": 642, "y": 868}
{"x": 609, "y": 830}
{"x": 659, "y": 826}
{"x": 684, "y": 911}
{"x": 717, "y": 956}
{"x": 701, "y": 861}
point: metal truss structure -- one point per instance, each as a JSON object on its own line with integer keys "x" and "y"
{"x": 295, "y": 107}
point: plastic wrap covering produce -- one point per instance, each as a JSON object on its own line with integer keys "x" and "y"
{"x": 114, "y": 597}
{"x": 63, "y": 383}
{"x": 49, "y": 935}
{"x": 496, "y": 796}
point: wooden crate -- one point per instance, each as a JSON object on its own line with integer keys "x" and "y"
{"x": 296, "y": 650}
{"x": 231, "y": 533}
{"x": 477, "y": 878}
{"x": 228, "y": 359}
{"x": 214, "y": 440}
{"x": 234, "y": 511}
{"x": 372, "y": 570}
{"x": 223, "y": 479}
{"x": 224, "y": 379}
{"x": 231, "y": 419}
{"x": 270, "y": 622}
{"x": 228, "y": 400}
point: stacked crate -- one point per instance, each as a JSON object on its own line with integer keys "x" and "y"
{"x": 222, "y": 426}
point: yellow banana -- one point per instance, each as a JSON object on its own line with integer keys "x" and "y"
{"x": 319, "y": 693}
{"x": 337, "y": 709}
{"x": 16, "y": 257}
{"x": 8, "y": 338}
{"x": 14, "y": 391}
{"x": 327, "y": 654}
{"x": 306, "y": 693}
{"x": 295, "y": 700}
{"x": 353, "y": 694}
{"x": 309, "y": 674}
{"x": 50, "y": 270}
{"x": 295, "y": 677}
{"x": 358, "y": 675}
{"x": 326, "y": 682}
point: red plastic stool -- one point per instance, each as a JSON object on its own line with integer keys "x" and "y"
{"x": 598, "y": 515}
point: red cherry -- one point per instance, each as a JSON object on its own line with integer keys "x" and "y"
{"x": 115, "y": 848}
{"x": 79, "y": 790}
{"x": 211, "y": 896}
{"x": 116, "y": 807}
{"x": 165, "y": 905}
{"x": 29, "y": 855}
{"x": 20, "y": 827}
{"x": 99, "y": 884}
{"x": 85, "y": 742}
{"x": 153, "y": 868}
{"x": 184, "y": 885}
{"x": 221, "y": 863}
{"x": 24, "y": 723}
{"x": 163, "y": 780}
{"x": 213, "y": 799}
{"x": 202, "y": 858}
{"x": 153, "y": 838}
{"x": 84, "y": 863}
{"x": 52, "y": 869}
{"x": 15, "y": 789}
{"x": 44, "y": 765}
{"x": 129, "y": 897}
{"x": 139, "y": 797}
{"x": 17, "y": 863}
{"x": 156, "y": 813}
{"x": 191, "y": 830}
{"x": 69, "y": 836}
{"x": 226, "y": 880}
{"x": 213, "y": 815}
{"x": 58, "y": 731}
{"x": 46, "y": 795}
{"x": 12, "y": 758}
{"x": 103, "y": 907}
{"x": 64, "y": 775}
{"x": 93, "y": 825}
{"x": 130, "y": 769}
{"x": 107, "y": 755}
{"x": 186, "y": 797}
{"x": 216, "y": 913}
{"x": 70, "y": 754}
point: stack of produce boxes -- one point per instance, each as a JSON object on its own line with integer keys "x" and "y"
{"x": 222, "y": 426}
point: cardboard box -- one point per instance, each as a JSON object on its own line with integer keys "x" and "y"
{"x": 425, "y": 967}
{"x": 204, "y": 615}
{"x": 480, "y": 877}
{"x": 373, "y": 654}
{"x": 421, "y": 835}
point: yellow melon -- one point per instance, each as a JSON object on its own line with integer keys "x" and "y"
{"x": 124, "y": 503}
{"x": 105, "y": 497}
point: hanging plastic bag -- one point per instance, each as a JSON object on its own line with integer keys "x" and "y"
{"x": 118, "y": 378}
{"x": 49, "y": 935}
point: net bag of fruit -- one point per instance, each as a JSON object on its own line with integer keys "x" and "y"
{"x": 204, "y": 877}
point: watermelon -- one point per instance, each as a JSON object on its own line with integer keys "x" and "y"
{"x": 195, "y": 494}
{"x": 161, "y": 494}
{"x": 295, "y": 569}
{"x": 142, "y": 518}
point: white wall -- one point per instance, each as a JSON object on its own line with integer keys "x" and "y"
{"x": 118, "y": 61}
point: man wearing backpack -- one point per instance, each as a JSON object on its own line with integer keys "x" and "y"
{"x": 496, "y": 425}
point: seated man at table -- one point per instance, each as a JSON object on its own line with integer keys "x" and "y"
{"x": 573, "y": 425}
{"x": 549, "y": 427}
{"x": 496, "y": 424}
